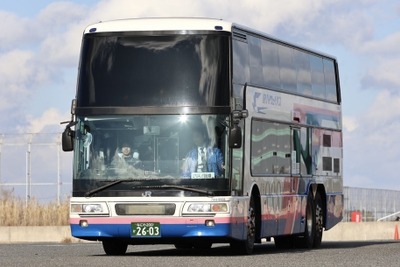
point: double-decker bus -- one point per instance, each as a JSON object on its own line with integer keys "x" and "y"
{"x": 194, "y": 131}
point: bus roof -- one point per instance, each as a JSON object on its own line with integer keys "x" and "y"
{"x": 182, "y": 24}
{"x": 160, "y": 24}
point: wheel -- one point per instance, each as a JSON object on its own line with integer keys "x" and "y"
{"x": 307, "y": 241}
{"x": 319, "y": 220}
{"x": 112, "y": 247}
{"x": 246, "y": 246}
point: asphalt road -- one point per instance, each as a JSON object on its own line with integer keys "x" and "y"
{"x": 91, "y": 254}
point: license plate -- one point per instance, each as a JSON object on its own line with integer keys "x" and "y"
{"x": 146, "y": 229}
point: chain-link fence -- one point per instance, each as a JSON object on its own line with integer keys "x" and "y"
{"x": 34, "y": 166}
{"x": 362, "y": 204}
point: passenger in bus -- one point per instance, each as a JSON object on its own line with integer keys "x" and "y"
{"x": 127, "y": 155}
{"x": 203, "y": 158}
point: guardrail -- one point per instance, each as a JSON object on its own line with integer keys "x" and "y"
{"x": 390, "y": 215}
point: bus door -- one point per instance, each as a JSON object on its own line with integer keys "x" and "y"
{"x": 300, "y": 169}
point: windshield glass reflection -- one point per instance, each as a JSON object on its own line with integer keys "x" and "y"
{"x": 151, "y": 147}
{"x": 165, "y": 70}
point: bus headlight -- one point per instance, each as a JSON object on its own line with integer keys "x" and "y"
{"x": 92, "y": 208}
{"x": 89, "y": 208}
{"x": 200, "y": 207}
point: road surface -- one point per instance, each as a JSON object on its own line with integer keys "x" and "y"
{"x": 91, "y": 254}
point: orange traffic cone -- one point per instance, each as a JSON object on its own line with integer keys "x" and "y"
{"x": 396, "y": 232}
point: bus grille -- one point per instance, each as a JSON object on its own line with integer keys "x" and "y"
{"x": 145, "y": 209}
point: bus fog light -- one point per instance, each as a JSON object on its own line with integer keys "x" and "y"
{"x": 210, "y": 223}
{"x": 83, "y": 223}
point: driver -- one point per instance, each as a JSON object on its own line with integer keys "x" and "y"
{"x": 202, "y": 157}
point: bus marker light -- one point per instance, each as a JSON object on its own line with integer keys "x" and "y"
{"x": 83, "y": 223}
{"x": 210, "y": 223}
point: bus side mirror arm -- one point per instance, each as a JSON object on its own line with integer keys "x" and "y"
{"x": 235, "y": 132}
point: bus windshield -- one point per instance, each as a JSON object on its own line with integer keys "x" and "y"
{"x": 173, "y": 149}
{"x": 131, "y": 70}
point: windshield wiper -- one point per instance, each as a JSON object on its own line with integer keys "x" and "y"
{"x": 184, "y": 188}
{"x": 101, "y": 188}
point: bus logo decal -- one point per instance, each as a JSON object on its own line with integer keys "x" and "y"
{"x": 261, "y": 101}
{"x": 146, "y": 194}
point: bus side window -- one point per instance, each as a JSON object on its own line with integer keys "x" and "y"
{"x": 301, "y": 156}
{"x": 270, "y": 147}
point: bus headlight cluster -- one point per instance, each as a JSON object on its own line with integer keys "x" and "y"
{"x": 89, "y": 208}
{"x": 92, "y": 208}
{"x": 206, "y": 208}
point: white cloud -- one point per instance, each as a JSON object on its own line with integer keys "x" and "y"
{"x": 35, "y": 53}
{"x": 386, "y": 46}
{"x": 49, "y": 121}
{"x": 264, "y": 15}
{"x": 371, "y": 150}
{"x": 60, "y": 14}
{"x": 13, "y": 30}
{"x": 384, "y": 110}
{"x": 336, "y": 22}
{"x": 16, "y": 69}
{"x": 350, "y": 124}
{"x": 61, "y": 50}
{"x": 384, "y": 56}
{"x": 383, "y": 75}
{"x": 64, "y": 22}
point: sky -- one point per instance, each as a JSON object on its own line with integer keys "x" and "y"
{"x": 40, "y": 42}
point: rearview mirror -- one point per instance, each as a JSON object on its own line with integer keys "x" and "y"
{"x": 67, "y": 139}
{"x": 235, "y": 137}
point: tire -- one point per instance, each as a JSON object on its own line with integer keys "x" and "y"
{"x": 114, "y": 248}
{"x": 245, "y": 247}
{"x": 307, "y": 241}
{"x": 319, "y": 220}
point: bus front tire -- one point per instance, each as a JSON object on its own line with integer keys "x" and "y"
{"x": 114, "y": 248}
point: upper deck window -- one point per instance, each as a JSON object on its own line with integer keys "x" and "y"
{"x": 274, "y": 65}
{"x": 121, "y": 69}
